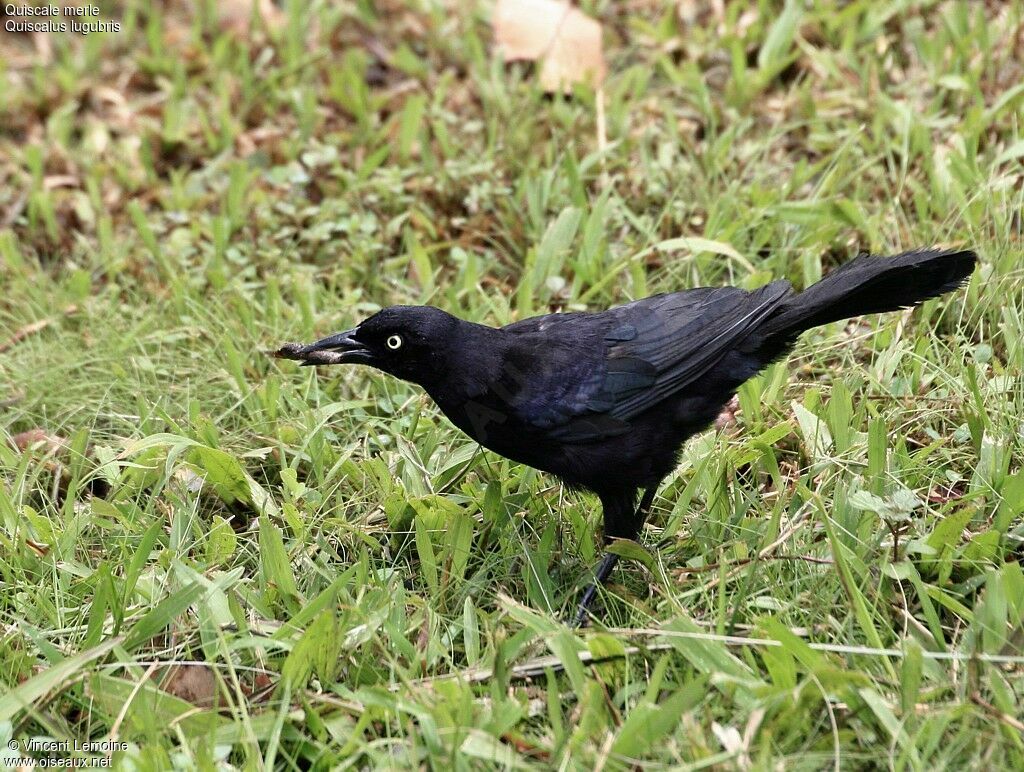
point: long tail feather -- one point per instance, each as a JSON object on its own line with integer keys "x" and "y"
{"x": 869, "y": 285}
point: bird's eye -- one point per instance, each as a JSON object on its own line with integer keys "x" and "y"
{"x": 394, "y": 342}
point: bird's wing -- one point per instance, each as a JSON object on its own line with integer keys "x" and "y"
{"x": 581, "y": 377}
{"x": 682, "y": 336}
{"x": 553, "y": 368}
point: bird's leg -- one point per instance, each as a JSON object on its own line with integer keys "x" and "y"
{"x": 608, "y": 561}
{"x": 601, "y": 574}
{"x": 645, "y": 504}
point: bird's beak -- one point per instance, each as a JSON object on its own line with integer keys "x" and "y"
{"x": 333, "y": 350}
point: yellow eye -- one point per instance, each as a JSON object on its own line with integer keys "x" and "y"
{"x": 395, "y": 342}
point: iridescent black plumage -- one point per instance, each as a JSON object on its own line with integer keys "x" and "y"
{"x": 605, "y": 400}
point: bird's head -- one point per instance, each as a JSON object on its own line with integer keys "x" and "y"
{"x": 410, "y": 342}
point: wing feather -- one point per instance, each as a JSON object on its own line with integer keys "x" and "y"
{"x": 580, "y": 377}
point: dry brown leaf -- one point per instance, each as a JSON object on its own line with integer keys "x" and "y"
{"x": 12, "y": 398}
{"x": 51, "y": 443}
{"x": 565, "y": 41}
{"x": 14, "y": 210}
{"x": 702, "y": 13}
{"x": 31, "y": 329}
{"x": 44, "y": 50}
{"x": 24, "y": 332}
{"x": 192, "y": 683}
{"x": 262, "y": 137}
{"x": 54, "y": 181}
{"x": 235, "y": 15}
{"x": 42, "y": 550}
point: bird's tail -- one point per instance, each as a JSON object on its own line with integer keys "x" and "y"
{"x": 868, "y": 285}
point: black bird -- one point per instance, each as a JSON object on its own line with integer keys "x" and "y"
{"x": 605, "y": 400}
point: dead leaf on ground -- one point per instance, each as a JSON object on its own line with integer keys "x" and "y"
{"x": 192, "y": 482}
{"x": 700, "y": 13}
{"x": 194, "y": 683}
{"x": 31, "y": 329}
{"x": 42, "y": 550}
{"x": 54, "y": 181}
{"x": 262, "y": 685}
{"x": 260, "y": 138}
{"x": 235, "y": 15}
{"x": 24, "y": 332}
{"x": 12, "y": 399}
{"x": 43, "y": 48}
{"x": 565, "y": 41}
{"x": 51, "y": 443}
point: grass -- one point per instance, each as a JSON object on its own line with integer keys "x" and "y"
{"x": 222, "y": 560}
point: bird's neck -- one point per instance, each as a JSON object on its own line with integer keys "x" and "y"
{"x": 470, "y": 363}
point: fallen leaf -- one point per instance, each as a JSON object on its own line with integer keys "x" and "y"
{"x": 12, "y": 399}
{"x": 54, "y": 181}
{"x": 31, "y": 329}
{"x": 235, "y": 15}
{"x": 262, "y": 682}
{"x": 192, "y": 683}
{"x": 700, "y": 13}
{"x": 51, "y": 443}
{"x": 24, "y": 332}
{"x": 14, "y": 210}
{"x": 193, "y": 483}
{"x": 41, "y": 42}
{"x": 42, "y": 550}
{"x": 565, "y": 41}
{"x": 728, "y": 736}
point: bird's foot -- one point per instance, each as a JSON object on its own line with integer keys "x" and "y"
{"x": 582, "y": 617}
{"x": 601, "y": 574}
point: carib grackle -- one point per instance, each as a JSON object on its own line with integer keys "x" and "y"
{"x": 605, "y": 400}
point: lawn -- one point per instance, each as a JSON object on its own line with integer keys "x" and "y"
{"x": 213, "y": 559}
